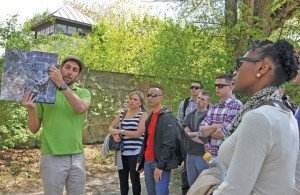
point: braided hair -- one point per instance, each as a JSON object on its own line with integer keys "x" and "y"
{"x": 283, "y": 56}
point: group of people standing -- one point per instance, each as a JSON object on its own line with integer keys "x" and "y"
{"x": 155, "y": 152}
{"x": 208, "y": 125}
{"x": 256, "y": 143}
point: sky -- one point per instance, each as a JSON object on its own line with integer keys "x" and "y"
{"x": 26, "y": 9}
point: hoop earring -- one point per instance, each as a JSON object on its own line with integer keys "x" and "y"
{"x": 258, "y": 75}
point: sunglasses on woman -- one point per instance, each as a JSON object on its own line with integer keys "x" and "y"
{"x": 240, "y": 61}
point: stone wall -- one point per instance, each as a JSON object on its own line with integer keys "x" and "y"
{"x": 109, "y": 94}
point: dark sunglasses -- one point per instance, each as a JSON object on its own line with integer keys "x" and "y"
{"x": 196, "y": 87}
{"x": 152, "y": 95}
{"x": 240, "y": 61}
{"x": 220, "y": 86}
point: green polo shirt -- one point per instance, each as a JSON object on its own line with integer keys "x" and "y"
{"x": 62, "y": 126}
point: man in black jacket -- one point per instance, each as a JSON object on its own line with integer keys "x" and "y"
{"x": 157, "y": 157}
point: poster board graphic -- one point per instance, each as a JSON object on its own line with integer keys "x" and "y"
{"x": 25, "y": 71}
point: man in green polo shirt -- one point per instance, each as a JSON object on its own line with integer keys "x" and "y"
{"x": 62, "y": 162}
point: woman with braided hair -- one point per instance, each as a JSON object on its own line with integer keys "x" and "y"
{"x": 261, "y": 153}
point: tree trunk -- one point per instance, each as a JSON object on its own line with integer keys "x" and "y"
{"x": 263, "y": 15}
{"x": 230, "y": 21}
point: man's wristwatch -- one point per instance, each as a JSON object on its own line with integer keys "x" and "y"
{"x": 63, "y": 86}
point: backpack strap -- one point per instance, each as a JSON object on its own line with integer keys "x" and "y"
{"x": 122, "y": 115}
{"x": 185, "y": 105}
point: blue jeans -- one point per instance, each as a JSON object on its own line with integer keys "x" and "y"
{"x": 153, "y": 188}
{"x": 194, "y": 166}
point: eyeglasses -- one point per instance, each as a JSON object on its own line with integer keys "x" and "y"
{"x": 220, "y": 85}
{"x": 196, "y": 87}
{"x": 152, "y": 95}
{"x": 240, "y": 61}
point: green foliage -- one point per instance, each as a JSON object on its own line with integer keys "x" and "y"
{"x": 149, "y": 46}
{"x": 12, "y": 36}
{"x": 37, "y": 18}
{"x": 13, "y": 128}
{"x": 290, "y": 31}
{"x": 293, "y": 91}
{"x": 164, "y": 52}
{"x": 184, "y": 50}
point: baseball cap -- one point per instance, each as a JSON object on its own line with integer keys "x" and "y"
{"x": 73, "y": 58}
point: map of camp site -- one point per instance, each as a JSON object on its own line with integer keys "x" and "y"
{"x": 25, "y": 71}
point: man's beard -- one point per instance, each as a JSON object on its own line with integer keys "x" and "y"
{"x": 70, "y": 82}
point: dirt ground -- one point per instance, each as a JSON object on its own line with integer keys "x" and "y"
{"x": 19, "y": 173}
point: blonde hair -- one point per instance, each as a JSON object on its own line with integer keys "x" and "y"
{"x": 141, "y": 97}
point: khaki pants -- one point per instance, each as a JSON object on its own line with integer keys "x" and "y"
{"x": 63, "y": 170}
{"x": 206, "y": 183}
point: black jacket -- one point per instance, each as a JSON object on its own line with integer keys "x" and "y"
{"x": 164, "y": 141}
{"x": 194, "y": 148}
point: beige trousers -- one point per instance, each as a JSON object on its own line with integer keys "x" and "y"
{"x": 63, "y": 170}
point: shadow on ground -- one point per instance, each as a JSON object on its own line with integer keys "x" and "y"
{"x": 20, "y": 173}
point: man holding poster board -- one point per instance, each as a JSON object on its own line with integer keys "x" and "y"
{"x": 62, "y": 162}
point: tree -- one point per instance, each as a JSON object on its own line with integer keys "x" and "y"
{"x": 167, "y": 52}
{"x": 246, "y": 20}
{"x": 13, "y": 129}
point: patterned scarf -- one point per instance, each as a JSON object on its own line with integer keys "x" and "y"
{"x": 266, "y": 94}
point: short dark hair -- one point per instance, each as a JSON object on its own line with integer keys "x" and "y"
{"x": 283, "y": 56}
{"x": 199, "y": 82}
{"x": 206, "y": 93}
{"x": 227, "y": 77}
{"x": 73, "y": 58}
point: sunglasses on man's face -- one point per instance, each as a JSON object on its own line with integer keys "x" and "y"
{"x": 152, "y": 95}
{"x": 240, "y": 61}
{"x": 195, "y": 87}
{"x": 220, "y": 86}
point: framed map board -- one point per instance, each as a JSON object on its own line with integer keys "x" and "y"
{"x": 25, "y": 71}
